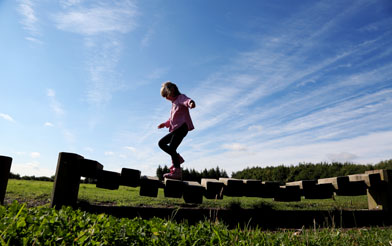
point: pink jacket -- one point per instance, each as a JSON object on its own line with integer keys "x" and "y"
{"x": 179, "y": 113}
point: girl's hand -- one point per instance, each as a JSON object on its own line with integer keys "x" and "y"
{"x": 192, "y": 104}
{"x": 162, "y": 125}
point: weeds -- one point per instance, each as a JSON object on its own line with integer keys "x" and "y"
{"x": 20, "y": 225}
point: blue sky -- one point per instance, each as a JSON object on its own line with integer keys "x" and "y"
{"x": 275, "y": 82}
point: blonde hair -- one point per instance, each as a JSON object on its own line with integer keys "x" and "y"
{"x": 169, "y": 89}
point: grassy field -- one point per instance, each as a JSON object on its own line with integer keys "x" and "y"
{"x": 21, "y": 225}
{"x": 39, "y": 192}
{"x": 31, "y": 222}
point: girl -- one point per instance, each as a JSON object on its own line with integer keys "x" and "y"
{"x": 179, "y": 124}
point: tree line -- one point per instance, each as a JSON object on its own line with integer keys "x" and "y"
{"x": 307, "y": 171}
{"x": 42, "y": 178}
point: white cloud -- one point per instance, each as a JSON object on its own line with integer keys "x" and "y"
{"x": 99, "y": 19}
{"x": 50, "y": 93}
{"x": 109, "y": 153}
{"x": 26, "y": 9}
{"x": 130, "y": 148}
{"x": 69, "y": 136}
{"x": 341, "y": 157}
{"x": 29, "y": 21}
{"x": 255, "y": 128}
{"x": 49, "y": 124}
{"x": 31, "y": 168}
{"x": 35, "y": 155}
{"x": 368, "y": 149}
{"x": 235, "y": 147}
{"x": 101, "y": 25}
{"x": 6, "y": 117}
{"x": 147, "y": 37}
{"x": 54, "y": 104}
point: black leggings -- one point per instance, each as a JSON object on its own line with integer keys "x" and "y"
{"x": 171, "y": 141}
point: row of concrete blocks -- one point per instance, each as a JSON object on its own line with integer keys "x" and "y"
{"x": 193, "y": 192}
{"x": 71, "y": 167}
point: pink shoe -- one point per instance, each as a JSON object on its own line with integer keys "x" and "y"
{"x": 175, "y": 173}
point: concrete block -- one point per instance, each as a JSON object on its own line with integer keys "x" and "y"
{"x": 337, "y": 182}
{"x": 149, "y": 186}
{"x": 384, "y": 174}
{"x": 253, "y": 187}
{"x": 308, "y": 184}
{"x": 193, "y": 192}
{"x": 130, "y": 177}
{"x": 67, "y": 180}
{"x": 343, "y": 186}
{"x": 288, "y": 194}
{"x": 310, "y": 189}
{"x": 269, "y": 189}
{"x": 89, "y": 168}
{"x": 173, "y": 188}
{"x": 213, "y": 188}
{"x": 5, "y": 167}
{"x": 380, "y": 196}
{"x": 108, "y": 180}
{"x": 355, "y": 188}
{"x": 233, "y": 187}
{"x": 321, "y": 191}
{"x": 370, "y": 179}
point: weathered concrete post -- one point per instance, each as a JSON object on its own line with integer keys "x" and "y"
{"x": 380, "y": 195}
{"x": 5, "y": 167}
{"x": 67, "y": 180}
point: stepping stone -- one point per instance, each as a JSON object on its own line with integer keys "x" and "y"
{"x": 173, "y": 188}
{"x": 343, "y": 186}
{"x": 380, "y": 196}
{"x": 355, "y": 188}
{"x": 322, "y": 191}
{"x": 213, "y": 188}
{"x": 89, "y": 168}
{"x": 269, "y": 189}
{"x": 337, "y": 182}
{"x": 193, "y": 192}
{"x": 253, "y": 187}
{"x": 311, "y": 190}
{"x": 288, "y": 194}
{"x": 130, "y": 177}
{"x": 149, "y": 186}
{"x": 108, "y": 180}
{"x": 67, "y": 180}
{"x": 5, "y": 167}
{"x": 370, "y": 179}
{"x": 233, "y": 187}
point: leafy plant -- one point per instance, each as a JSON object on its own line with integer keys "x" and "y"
{"x": 20, "y": 225}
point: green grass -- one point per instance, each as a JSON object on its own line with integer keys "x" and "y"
{"x": 20, "y": 225}
{"x": 39, "y": 192}
{"x": 32, "y": 222}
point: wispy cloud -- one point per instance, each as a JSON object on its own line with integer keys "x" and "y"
{"x": 284, "y": 95}
{"x": 6, "y": 117}
{"x": 35, "y": 155}
{"x": 99, "y": 18}
{"x": 101, "y": 24}
{"x": 48, "y": 124}
{"x": 54, "y": 104}
{"x": 29, "y": 21}
{"x": 31, "y": 168}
